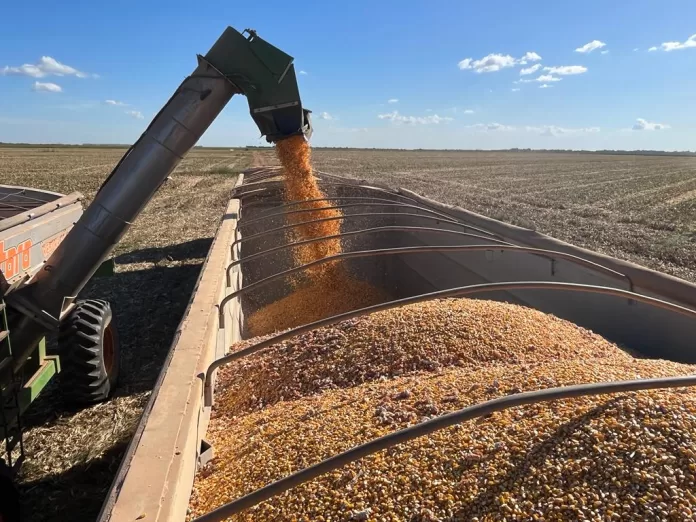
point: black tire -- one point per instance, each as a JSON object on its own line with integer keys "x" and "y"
{"x": 89, "y": 353}
{"x": 9, "y": 496}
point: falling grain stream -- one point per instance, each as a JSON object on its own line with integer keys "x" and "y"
{"x": 327, "y": 289}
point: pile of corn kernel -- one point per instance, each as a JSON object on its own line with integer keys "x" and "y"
{"x": 324, "y": 295}
{"x": 421, "y": 337}
{"x": 626, "y": 456}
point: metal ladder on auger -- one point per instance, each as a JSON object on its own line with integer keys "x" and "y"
{"x": 10, "y": 424}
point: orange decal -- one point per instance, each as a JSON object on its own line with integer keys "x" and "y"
{"x": 15, "y": 259}
{"x": 49, "y": 245}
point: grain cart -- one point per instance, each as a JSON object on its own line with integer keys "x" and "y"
{"x": 417, "y": 250}
{"x": 49, "y": 248}
{"x": 413, "y": 248}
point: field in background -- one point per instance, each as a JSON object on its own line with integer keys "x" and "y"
{"x": 641, "y": 208}
{"x": 73, "y": 456}
{"x": 638, "y": 208}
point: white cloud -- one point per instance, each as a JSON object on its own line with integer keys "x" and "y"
{"x": 490, "y": 63}
{"x": 491, "y": 127}
{"x": 545, "y": 86}
{"x": 46, "y": 66}
{"x": 530, "y": 70}
{"x": 547, "y": 78}
{"x": 455, "y": 110}
{"x": 604, "y": 52}
{"x": 635, "y": 49}
{"x": 495, "y": 62}
{"x": 115, "y": 102}
{"x": 553, "y": 130}
{"x": 590, "y": 46}
{"x": 303, "y": 72}
{"x": 566, "y": 70}
{"x": 52, "y": 66}
{"x": 24, "y": 70}
{"x": 136, "y": 114}
{"x": 529, "y": 56}
{"x": 541, "y": 79}
{"x": 675, "y": 46}
{"x": 652, "y": 49}
{"x": 325, "y": 116}
{"x": 393, "y": 100}
{"x": 642, "y": 124}
{"x": 47, "y": 87}
{"x": 412, "y": 120}
{"x": 515, "y": 89}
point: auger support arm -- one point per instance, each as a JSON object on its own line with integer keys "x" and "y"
{"x": 266, "y": 76}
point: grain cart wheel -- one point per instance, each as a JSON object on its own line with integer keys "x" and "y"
{"x": 9, "y": 496}
{"x": 89, "y": 352}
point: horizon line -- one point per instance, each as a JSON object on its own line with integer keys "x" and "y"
{"x": 509, "y": 149}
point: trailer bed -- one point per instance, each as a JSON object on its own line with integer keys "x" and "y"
{"x": 647, "y": 312}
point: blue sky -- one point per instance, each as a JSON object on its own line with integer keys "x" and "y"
{"x": 448, "y": 67}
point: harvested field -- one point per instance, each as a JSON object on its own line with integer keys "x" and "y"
{"x": 72, "y": 457}
{"x": 638, "y": 208}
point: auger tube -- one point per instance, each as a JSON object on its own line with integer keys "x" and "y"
{"x": 235, "y": 64}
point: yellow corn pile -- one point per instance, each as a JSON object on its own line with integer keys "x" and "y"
{"x": 332, "y": 293}
{"x": 422, "y": 337}
{"x": 621, "y": 457}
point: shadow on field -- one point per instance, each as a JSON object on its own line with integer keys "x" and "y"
{"x": 194, "y": 249}
{"x": 520, "y": 473}
{"x": 73, "y": 495}
{"x": 148, "y": 305}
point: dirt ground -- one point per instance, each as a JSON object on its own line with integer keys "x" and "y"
{"x": 639, "y": 208}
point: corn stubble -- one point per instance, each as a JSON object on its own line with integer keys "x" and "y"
{"x": 621, "y": 457}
